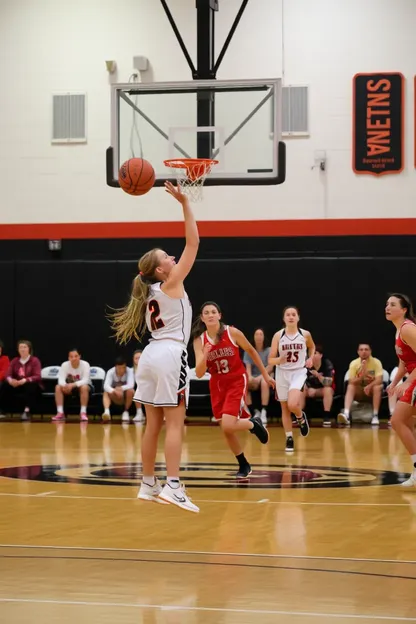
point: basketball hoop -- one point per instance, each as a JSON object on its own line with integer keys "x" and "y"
{"x": 191, "y": 174}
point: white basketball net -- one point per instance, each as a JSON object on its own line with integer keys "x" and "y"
{"x": 191, "y": 174}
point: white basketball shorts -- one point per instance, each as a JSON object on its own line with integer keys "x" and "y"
{"x": 289, "y": 380}
{"x": 162, "y": 375}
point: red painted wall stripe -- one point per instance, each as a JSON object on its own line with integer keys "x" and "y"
{"x": 211, "y": 229}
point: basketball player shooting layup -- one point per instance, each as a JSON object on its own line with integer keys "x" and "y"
{"x": 217, "y": 350}
{"x": 291, "y": 352}
{"x": 159, "y": 303}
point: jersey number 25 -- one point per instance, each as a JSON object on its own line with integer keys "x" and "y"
{"x": 292, "y": 356}
{"x": 155, "y": 320}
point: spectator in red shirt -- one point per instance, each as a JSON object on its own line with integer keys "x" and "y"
{"x": 24, "y": 378}
{"x": 4, "y": 365}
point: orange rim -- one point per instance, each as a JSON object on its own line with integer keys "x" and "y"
{"x": 196, "y": 168}
{"x": 187, "y": 163}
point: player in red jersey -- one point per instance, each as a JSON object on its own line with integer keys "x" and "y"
{"x": 217, "y": 351}
{"x": 399, "y": 311}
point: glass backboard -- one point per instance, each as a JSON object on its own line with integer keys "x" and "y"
{"x": 237, "y": 122}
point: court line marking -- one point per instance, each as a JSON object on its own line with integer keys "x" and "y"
{"x": 135, "y": 605}
{"x": 262, "y": 566}
{"x": 210, "y": 500}
{"x": 208, "y": 553}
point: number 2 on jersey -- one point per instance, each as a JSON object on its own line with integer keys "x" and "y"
{"x": 222, "y": 366}
{"x": 155, "y": 320}
{"x": 292, "y": 356}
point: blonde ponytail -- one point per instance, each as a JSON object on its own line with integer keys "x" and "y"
{"x": 130, "y": 322}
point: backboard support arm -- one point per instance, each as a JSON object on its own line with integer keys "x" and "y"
{"x": 179, "y": 38}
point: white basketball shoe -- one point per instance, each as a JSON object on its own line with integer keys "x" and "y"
{"x": 151, "y": 492}
{"x": 177, "y": 496}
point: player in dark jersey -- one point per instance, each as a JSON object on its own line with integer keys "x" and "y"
{"x": 399, "y": 311}
{"x": 217, "y": 350}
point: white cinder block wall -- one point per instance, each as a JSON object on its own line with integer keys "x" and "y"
{"x": 49, "y": 46}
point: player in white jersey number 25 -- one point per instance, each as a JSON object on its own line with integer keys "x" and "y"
{"x": 291, "y": 352}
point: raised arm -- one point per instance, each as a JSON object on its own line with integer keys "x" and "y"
{"x": 187, "y": 259}
{"x": 201, "y": 354}
{"x": 240, "y": 339}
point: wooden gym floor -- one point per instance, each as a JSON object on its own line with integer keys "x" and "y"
{"x": 324, "y": 535}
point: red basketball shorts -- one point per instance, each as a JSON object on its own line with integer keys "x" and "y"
{"x": 228, "y": 395}
{"x": 409, "y": 396}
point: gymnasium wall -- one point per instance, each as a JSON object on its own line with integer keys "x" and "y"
{"x": 48, "y": 46}
{"x": 339, "y": 283}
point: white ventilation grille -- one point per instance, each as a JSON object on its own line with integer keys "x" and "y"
{"x": 69, "y": 118}
{"x": 295, "y": 111}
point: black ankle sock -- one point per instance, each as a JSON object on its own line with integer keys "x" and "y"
{"x": 242, "y": 461}
{"x": 251, "y": 409}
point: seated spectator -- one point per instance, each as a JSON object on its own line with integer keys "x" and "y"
{"x": 118, "y": 389}
{"x": 74, "y": 379}
{"x": 24, "y": 379}
{"x": 4, "y": 365}
{"x": 320, "y": 383}
{"x": 365, "y": 382}
{"x": 255, "y": 379}
{"x": 140, "y": 417}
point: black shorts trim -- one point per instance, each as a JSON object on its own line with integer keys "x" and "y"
{"x": 160, "y": 404}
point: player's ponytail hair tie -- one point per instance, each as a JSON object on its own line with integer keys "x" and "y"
{"x": 141, "y": 276}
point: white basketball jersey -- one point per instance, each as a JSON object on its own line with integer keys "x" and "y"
{"x": 295, "y": 347}
{"x": 167, "y": 317}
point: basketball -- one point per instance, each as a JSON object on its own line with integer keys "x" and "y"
{"x": 136, "y": 176}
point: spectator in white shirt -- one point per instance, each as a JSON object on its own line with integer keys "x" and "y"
{"x": 140, "y": 417}
{"x": 118, "y": 389}
{"x": 73, "y": 378}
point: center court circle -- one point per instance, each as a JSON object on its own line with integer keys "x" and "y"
{"x": 213, "y": 475}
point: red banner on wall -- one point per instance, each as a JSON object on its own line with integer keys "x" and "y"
{"x": 378, "y": 123}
